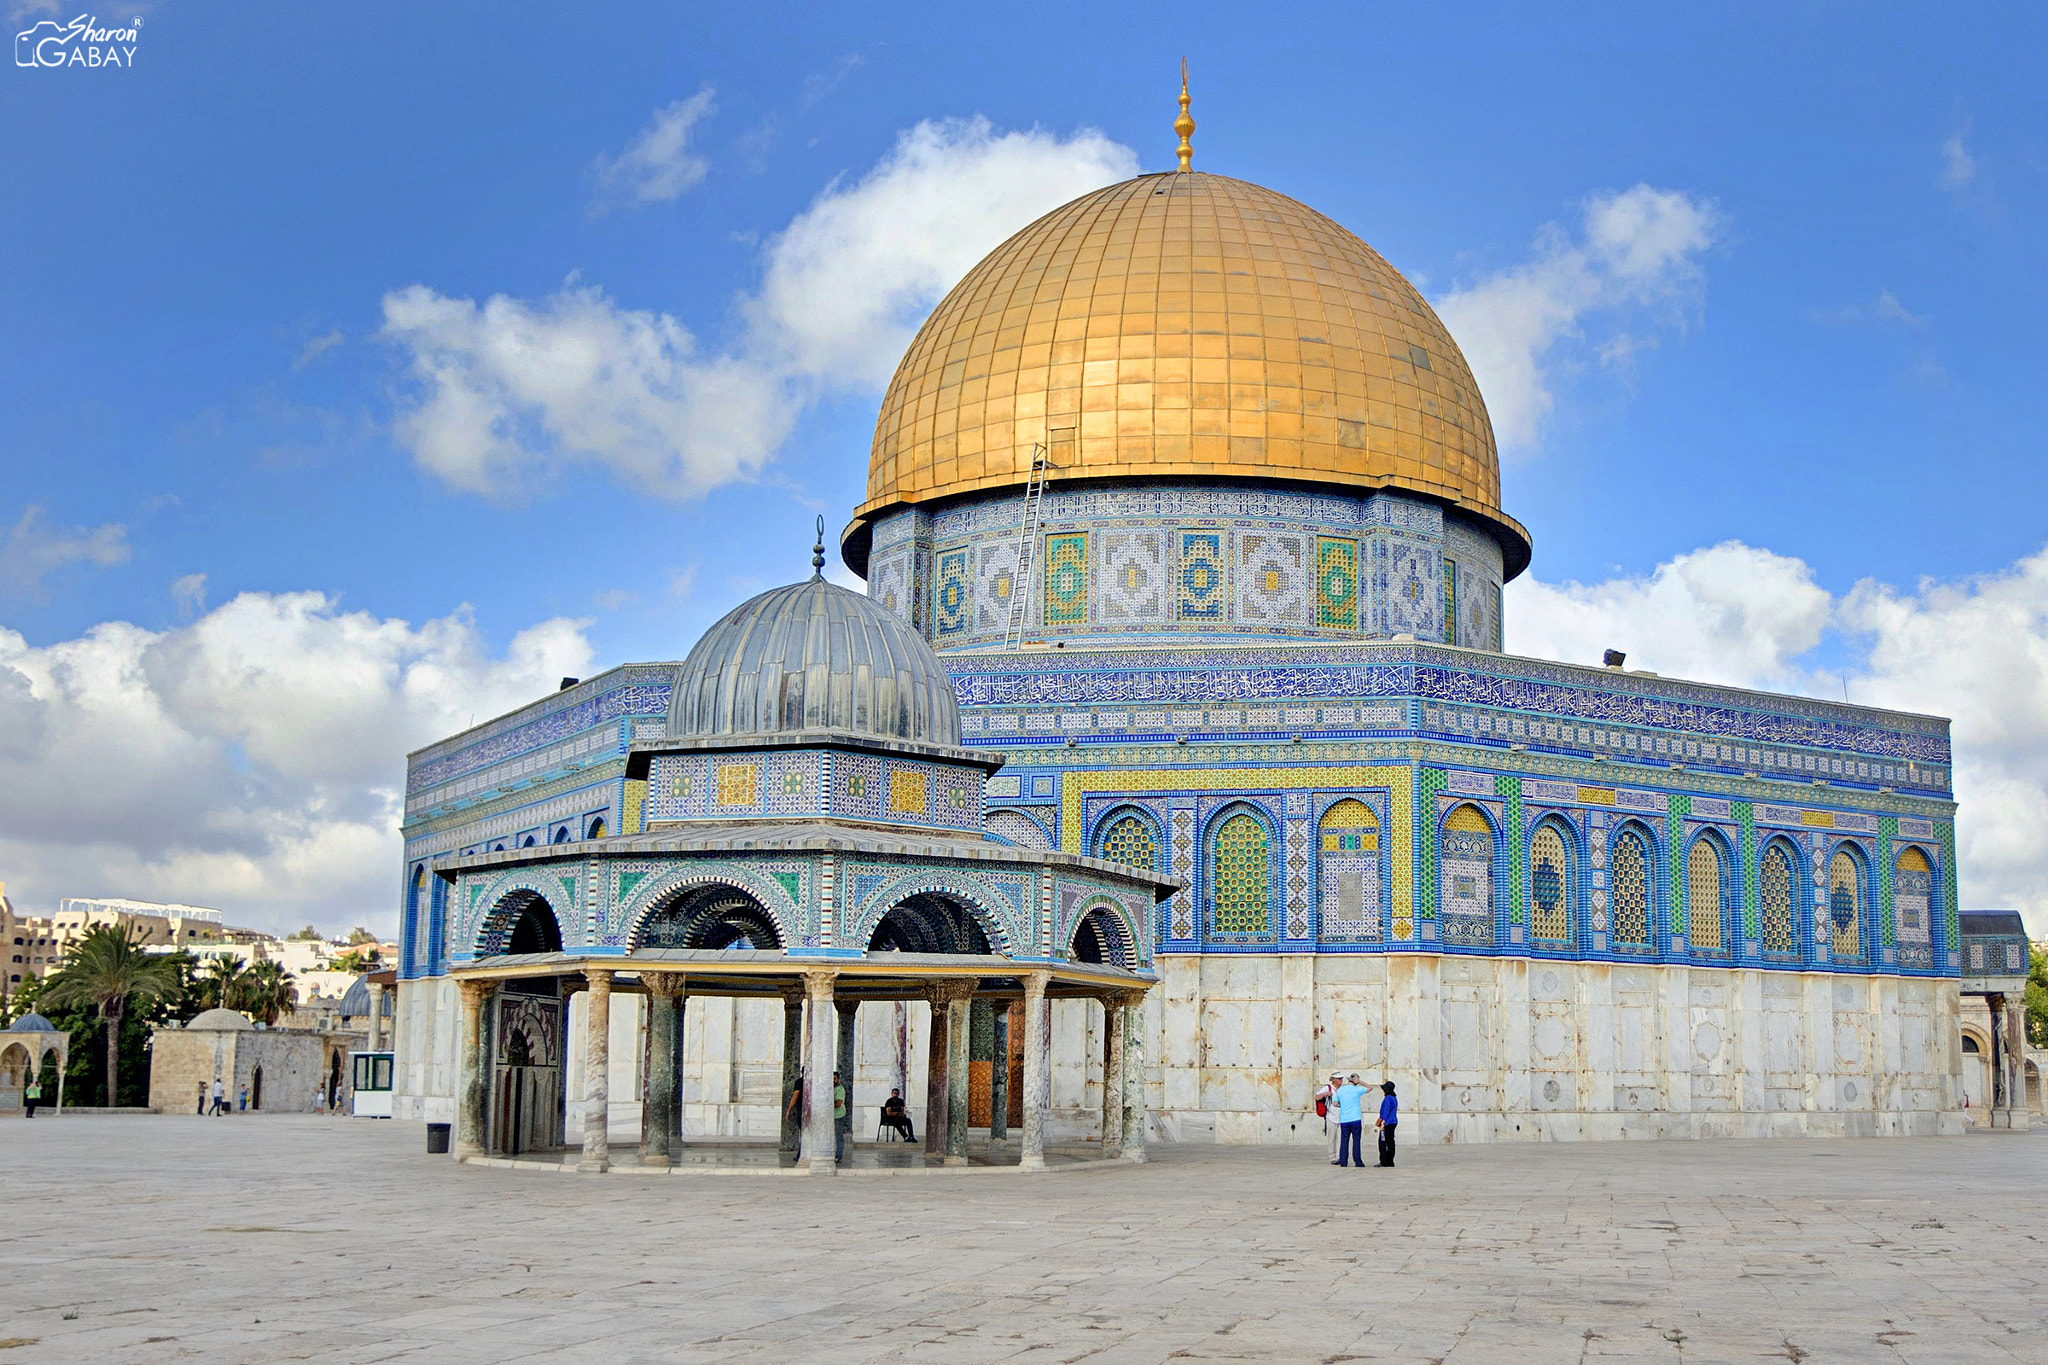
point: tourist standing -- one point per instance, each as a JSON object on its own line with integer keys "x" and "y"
{"x": 1350, "y": 1122}
{"x": 32, "y": 1095}
{"x": 220, "y": 1098}
{"x": 1326, "y": 1104}
{"x": 1389, "y": 1119}
{"x": 201, "y": 1110}
{"x": 839, "y": 1123}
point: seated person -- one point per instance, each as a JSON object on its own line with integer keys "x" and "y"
{"x": 894, "y": 1115}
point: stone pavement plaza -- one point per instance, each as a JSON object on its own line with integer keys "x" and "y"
{"x": 274, "y": 1238}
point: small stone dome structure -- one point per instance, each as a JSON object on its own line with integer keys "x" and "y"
{"x": 218, "y": 1019}
{"x": 32, "y": 1023}
{"x": 814, "y": 656}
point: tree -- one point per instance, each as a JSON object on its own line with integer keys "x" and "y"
{"x": 106, "y": 968}
{"x": 267, "y": 991}
{"x": 358, "y": 960}
{"x": 223, "y": 984}
{"x": 359, "y": 936}
{"x": 306, "y": 935}
{"x": 2037, "y": 995}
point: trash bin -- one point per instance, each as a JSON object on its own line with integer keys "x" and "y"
{"x": 437, "y": 1139}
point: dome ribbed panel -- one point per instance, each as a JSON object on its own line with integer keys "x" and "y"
{"x": 814, "y": 656}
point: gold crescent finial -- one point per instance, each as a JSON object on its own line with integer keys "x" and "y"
{"x": 1185, "y": 124}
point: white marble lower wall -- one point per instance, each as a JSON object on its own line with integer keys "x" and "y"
{"x": 1479, "y": 1049}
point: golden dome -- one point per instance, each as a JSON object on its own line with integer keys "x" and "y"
{"x": 1186, "y": 324}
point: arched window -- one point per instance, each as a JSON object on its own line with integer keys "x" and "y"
{"x": 528, "y": 842}
{"x": 1630, "y": 870}
{"x": 1128, "y": 839}
{"x": 1550, "y": 885}
{"x": 1845, "y": 905}
{"x": 1774, "y": 879}
{"x": 409, "y": 931}
{"x": 596, "y": 827}
{"x": 1350, "y": 866}
{"x": 1243, "y": 876}
{"x": 1912, "y": 895}
{"x": 1465, "y": 876}
{"x": 1703, "y": 882}
{"x": 561, "y": 835}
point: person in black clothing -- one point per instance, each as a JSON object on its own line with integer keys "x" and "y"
{"x": 894, "y": 1115}
{"x": 1389, "y": 1119}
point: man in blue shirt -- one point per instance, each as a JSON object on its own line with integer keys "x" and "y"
{"x": 1350, "y": 1122}
{"x": 1389, "y": 1119}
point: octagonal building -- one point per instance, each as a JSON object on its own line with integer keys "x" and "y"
{"x": 1198, "y": 504}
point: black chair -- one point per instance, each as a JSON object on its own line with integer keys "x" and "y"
{"x": 884, "y": 1125}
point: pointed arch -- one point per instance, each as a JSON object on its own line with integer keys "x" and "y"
{"x": 1467, "y": 844}
{"x": 1848, "y": 895}
{"x": 1778, "y": 884}
{"x": 595, "y": 829}
{"x": 519, "y": 921}
{"x": 708, "y": 915}
{"x": 1130, "y": 835}
{"x": 1553, "y": 881}
{"x": 1709, "y": 875}
{"x": 1103, "y": 935}
{"x": 1632, "y": 886}
{"x": 938, "y": 894}
{"x": 657, "y": 894}
{"x": 1238, "y": 856}
{"x": 1348, "y": 870}
{"x": 1913, "y": 899}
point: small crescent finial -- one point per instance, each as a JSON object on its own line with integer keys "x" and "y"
{"x": 1185, "y": 124}
{"x": 818, "y": 551}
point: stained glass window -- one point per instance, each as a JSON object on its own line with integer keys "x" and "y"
{"x": 1774, "y": 888}
{"x": 1549, "y": 886}
{"x": 1242, "y": 877}
{"x": 1629, "y": 888}
{"x": 1465, "y": 878}
{"x": 1845, "y": 906}
{"x": 1129, "y": 841}
{"x": 1703, "y": 891}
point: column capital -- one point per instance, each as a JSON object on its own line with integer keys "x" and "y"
{"x": 1037, "y": 983}
{"x": 953, "y": 990}
{"x": 665, "y": 984}
{"x": 791, "y": 993}
{"x": 599, "y": 978}
{"x": 818, "y": 982}
{"x": 475, "y": 992}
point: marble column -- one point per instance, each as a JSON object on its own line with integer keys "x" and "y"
{"x": 597, "y": 1067}
{"x": 959, "y": 996}
{"x": 658, "y": 1110}
{"x": 1037, "y": 1070}
{"x": 999, "y": 1074}
{"x": 1134, "y": 1077}
{"x": 2016, "y": 1053}
{"x": 472, "y": 1085}
{"x": 848, "y": 1017}
{"x": 1115, "y": 1025}
{"x": 818, "y": 1132}
{"x": 792, "y": 1067}
{"x": 376, "y": 1017}
{"x": 935, "y": 1110}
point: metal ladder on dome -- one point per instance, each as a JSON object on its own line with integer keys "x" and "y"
{"x": 1028, "y": 528}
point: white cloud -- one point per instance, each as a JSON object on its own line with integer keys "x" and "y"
{"x": 316, "y": 348}
{"x": 188, "y": 595}
{"x": 1885, "y": 308}
{"x": 1975, "y": 650}
{"x": 31, "y": 551}
{"x": 510, "y": 389}
{"x": 1958, "y": 167}
{"x": 1636, "y": 252}
{"x": 252, "y": 760}
{"x": 658, "y": 166}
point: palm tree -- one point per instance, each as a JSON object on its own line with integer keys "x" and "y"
{"x": 224, "y": 984}
{"x": 267, "y": 991}
{"x": 104, "y": 970}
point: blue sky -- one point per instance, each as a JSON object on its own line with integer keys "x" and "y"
{"x": 1837, "y": 365}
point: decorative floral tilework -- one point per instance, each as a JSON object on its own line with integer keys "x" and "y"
{"x": 1066, "y": 579}
{"x": 1272, "y": 573}
{"x": 995, "y": 579}
{"x": 955, "y": 596}
{"x": 1200, "y": 578}
{"x": 907, "y": 791}
{"x": 1337, "y": 582}
{"x": 1131, "y": 583}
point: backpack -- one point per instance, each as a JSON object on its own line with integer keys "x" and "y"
{"x": 1322, "y": 1107}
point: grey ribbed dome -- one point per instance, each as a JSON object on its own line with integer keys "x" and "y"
{"x": 814, "y": 656}
{"x": 32, "y": 1023}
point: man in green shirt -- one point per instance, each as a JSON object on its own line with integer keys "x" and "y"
{"x": 32, "y": 1096}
